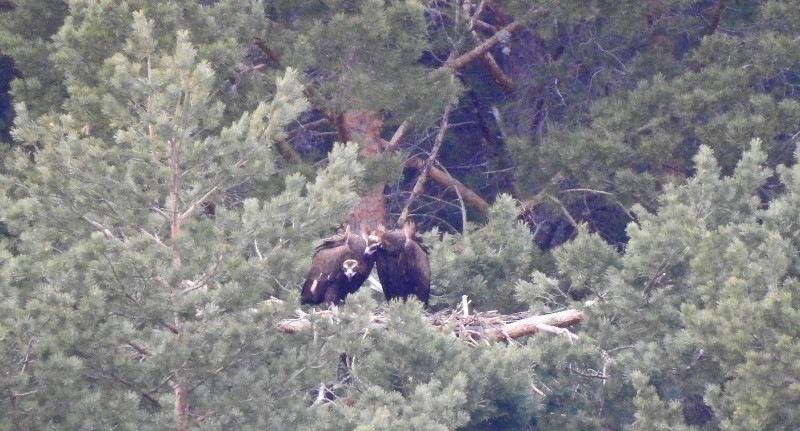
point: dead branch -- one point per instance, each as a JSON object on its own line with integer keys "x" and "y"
{"x": 532, "y": 203}
{"x": 533, "y": 324}
{"x": 152, "y": 237}
{"x": 474, "y": 327}
{"x": 483, "y": 48}
{"x": 202, "y": 281}
{"x": 423, "y": 173}
{"x": 395, "y": 141}
{"x": 494, "y": 69}
{"x": 197, "y": 203}
{"x": 446, "y": 181}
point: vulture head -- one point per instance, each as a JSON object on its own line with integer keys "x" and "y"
{"x": 350, "y": 268}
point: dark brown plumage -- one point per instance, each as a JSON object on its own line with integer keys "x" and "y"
{"x": 339, "y": 267}
{"x": 402, "y": 263}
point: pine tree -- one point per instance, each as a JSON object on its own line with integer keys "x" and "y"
{"x": 175, "y": 163}
{"x": 151, "y": 253}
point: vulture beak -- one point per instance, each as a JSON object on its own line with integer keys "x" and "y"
{"x": 374, "y": 242}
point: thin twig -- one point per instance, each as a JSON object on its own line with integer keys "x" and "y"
{"x": 423, "y": 174}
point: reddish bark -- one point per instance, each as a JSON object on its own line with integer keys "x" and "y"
{"x": 366, "y": 127}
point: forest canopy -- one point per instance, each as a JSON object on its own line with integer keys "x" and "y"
{"x": 167, "y": 169}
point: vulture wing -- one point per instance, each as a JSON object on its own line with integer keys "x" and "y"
{"x": 326, "y": 267}
{"x": 327, "y": 280}
{"x": 418, "y": 271}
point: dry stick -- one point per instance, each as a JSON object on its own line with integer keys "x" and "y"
{"x": 532, "y": 203}
{"x": 106, "y": 232}
{"x": 488, "y": 60}
{"x": 483, "y": 48}
{"x": 446, "y": 181}
{"x": 423, "y": 174}
{"x": 563, "y": 209}
{"x": 197, "y": 203}
{"x": 395, "y": 141}
{"x": 461, "y": 204}
{"x": 534, "y": 324}
{"x": 441, "y": 177}
{"x": 478, "y": 11}
{"x": 494, "y": 69}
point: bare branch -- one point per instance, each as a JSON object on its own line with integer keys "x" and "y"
{"x": 154, "y": 238}
{"x": 446, "y": 181}
{"x": 563, "y": 209}
{"x": 494, "y": 69}
{"x": 423, "y": 174}
{"x": 202, "y": 281}
{"x": 197, "y": 203}
{"x": 106, "y": 232}
{"x": 395, "y": 141}
{"x": 160, "y": 212}
{"x": 533, "y": 324}
{"x": 483, "y": 48}
{"x": 478, "y": 11}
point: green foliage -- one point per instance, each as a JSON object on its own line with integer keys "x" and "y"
{"x": 484, "y": 262}
{"x": 152, "y": 238}
{"x": 703, "y": 295}
{"x": 25, "y": 35}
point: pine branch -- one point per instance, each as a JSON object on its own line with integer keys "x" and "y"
{"x": 288, "y": 152}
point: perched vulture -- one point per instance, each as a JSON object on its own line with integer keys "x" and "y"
{"x": 339, "y": 267}
{"x": 402, "y": 263}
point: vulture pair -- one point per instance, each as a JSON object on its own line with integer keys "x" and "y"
{"x": 343, "y": 262}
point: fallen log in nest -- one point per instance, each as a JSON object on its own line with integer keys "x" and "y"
{"x": 475, "y": 327}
